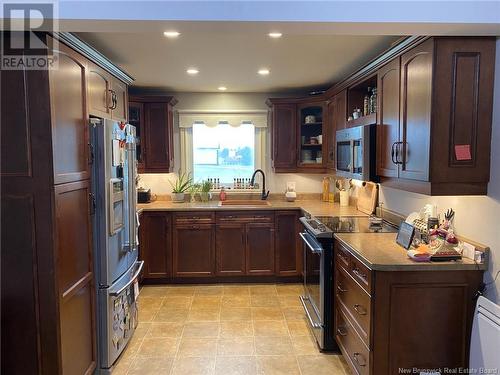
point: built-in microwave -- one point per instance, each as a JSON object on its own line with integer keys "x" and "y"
{"x": 355, "y": 150}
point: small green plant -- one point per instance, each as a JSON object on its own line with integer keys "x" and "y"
{"x": 182, "y": 184}
{"x": 205, "y": 186}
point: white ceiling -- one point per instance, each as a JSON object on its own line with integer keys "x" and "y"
{"x": 232, "y": 57}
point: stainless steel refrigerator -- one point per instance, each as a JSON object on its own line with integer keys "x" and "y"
{"x": 115, "y": 225}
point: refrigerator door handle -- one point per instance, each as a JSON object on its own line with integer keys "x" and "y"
{"x": 139, "y": 265}
{"x": 132, "y": 196}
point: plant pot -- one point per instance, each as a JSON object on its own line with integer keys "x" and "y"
{"x": 177, "y": 197}
{"x": 204, "y": 196}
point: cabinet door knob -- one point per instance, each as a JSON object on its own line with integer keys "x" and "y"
{"x": 359, "y": 309}
{"x": 342, "y": 331}
{"x": 340, "y": 289}
{"x": 358, "y": 357}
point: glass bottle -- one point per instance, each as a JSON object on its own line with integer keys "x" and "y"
{"x": 366, "y": 103}
{"x": 373, "y": 101}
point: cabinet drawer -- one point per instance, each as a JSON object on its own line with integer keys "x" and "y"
{"x": 194, "y": 217}
{"x": 355, "y": 301}
{"x": 356, "y": 353}
{"x": 361, "y": 273}
{"x": 343, "y": 257}
{"x": 245, "y": 216}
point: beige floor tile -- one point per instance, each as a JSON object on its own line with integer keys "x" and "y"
{"x": 209, "y": 290}
{"x": 267, "y": 313}
{"x": 165, "y": 329}
{"x": 202, "y": 315}
{"x": 150, "y": 302}
{"x": 305, "y": 345}
{"x": 175, "y": 315}
{"x": 236, "y": 328}
{"x": 235, "y": 313}
{"x": 263, "y": 289}
{"x": 123, "y": 365}
{"x": 294, "y": 313}
{"x": 197, "y": 347}
{"x": 321, "y": 365}
{"x": 273, "y": 345}
{"x": 235, "y": 346}
{"x": 246, "y": 365}
{"x": 206, "y": 302}
{"x": 180, "y": 291}
{"x": 177, "y": 302}
{"x": 153, "y": 291}
{"x": 270, "y": 328}
{"x": 194, "y": 366}
{"x": 158, "y": 347}
{"x": 290, "y": 289}
{"x": 201, "y": 329}
{"x": 298, "y": 327}
{"x": 264, "y": 300}
{"x": 236, "y": 300}
{"x": 133, "y": 346}
{"x": 151, "y": 366}
{"x": 289, "y": 301}
{"x": 278, "y": 365}
{"x": 142, "y": 329}
{"x": 147, "y": 314}
{"x": 238, "y": 290}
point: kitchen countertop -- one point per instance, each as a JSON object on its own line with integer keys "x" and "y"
{"x": 313, "y": 207}
{"x": 380, "y": 252}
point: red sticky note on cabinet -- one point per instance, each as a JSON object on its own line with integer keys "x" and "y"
{"x": 462, "y": 152}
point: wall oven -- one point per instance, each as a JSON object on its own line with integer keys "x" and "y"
{"x": 355, "y": 150}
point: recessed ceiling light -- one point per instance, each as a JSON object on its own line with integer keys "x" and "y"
{"x": 275, "y": 35}
{"x": 222, "y": 88}
{"x": 192, "y": 71}
{"x": 171, "y": 34}
{"x": 263, "y": 72}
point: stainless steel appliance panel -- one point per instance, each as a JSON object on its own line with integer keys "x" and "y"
{"x": 356, "y": 152}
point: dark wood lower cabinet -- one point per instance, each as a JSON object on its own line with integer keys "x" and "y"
{"x": 230, "y": 249}
{"x": 260, "y": 249}
{"x": 194, "y": 250}
{"x": 155, "y": 244}
{"x": 241, "y": 245}
{"x": 387, "y": 321}
{"x": 288, "y": 246}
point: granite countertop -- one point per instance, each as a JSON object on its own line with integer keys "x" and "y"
{"x": 380, "y": 252}
{"x": 313, "y": 207}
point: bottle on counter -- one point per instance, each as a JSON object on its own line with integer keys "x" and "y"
{"x": 222, "y": 194}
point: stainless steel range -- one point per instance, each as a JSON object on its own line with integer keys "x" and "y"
{"x": 318, "y": 268}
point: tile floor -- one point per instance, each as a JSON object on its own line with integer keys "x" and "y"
{"x": 224, "y": 330}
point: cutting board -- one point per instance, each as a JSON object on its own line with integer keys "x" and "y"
{"x": 367, "y": 198}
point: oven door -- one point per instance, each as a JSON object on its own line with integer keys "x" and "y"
{"x": 312, "y": 301}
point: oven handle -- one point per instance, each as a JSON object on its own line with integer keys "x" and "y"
{"x": 140, "y": 264}
{"x": 313, "y": 324}
{"x": 311, "y": 243}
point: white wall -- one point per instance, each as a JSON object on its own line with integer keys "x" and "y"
{"x": 477, "y": 217}
{"x": 276, "y": 183}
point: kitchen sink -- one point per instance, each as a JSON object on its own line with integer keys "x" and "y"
{"x": 246, "y": 203}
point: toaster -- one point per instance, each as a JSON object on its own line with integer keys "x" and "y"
{"x": 143, "y": 195}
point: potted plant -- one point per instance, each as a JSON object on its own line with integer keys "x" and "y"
{"x": 193, "y": 190}
{"x": 181, "y": 185}
{"x": 205, "y": 188}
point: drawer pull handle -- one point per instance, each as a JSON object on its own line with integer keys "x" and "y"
{"x": 359, "y": 274}
{"x": 342, "y": 331}
{"x": 357, "y": 356}
{"x": 359, "y": 309}
{"x": 340, "y": 289}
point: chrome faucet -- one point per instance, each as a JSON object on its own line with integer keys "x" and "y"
{"x": 264, "y": 193}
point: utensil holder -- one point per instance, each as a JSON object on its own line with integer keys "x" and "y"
{"x": 344, "y": 198}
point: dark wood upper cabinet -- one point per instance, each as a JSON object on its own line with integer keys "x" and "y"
{"x": 230, "y": 249}
{"x": 312, "y": 135}
{"x": 287, "y": 243}
{"x": 153, "y": 118}
{"x": 155, "y": 247}
{"x": 68, "y": 94}
{"x": 416, "y": 97}
{"x": 388, "y": 118}
{"x": 443, "y": 143}
{"x": 98, "y": 92}
{"x": 284, "y": 137}
{"x": 194, "y": 250}
{"x": 260, "y": 249}
{"x": 335, "y": 120}
{"x": 120, "y": 105}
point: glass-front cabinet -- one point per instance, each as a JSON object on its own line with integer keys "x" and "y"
{"x": 311, "y": 135}
{"x": 136, "y": 118}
